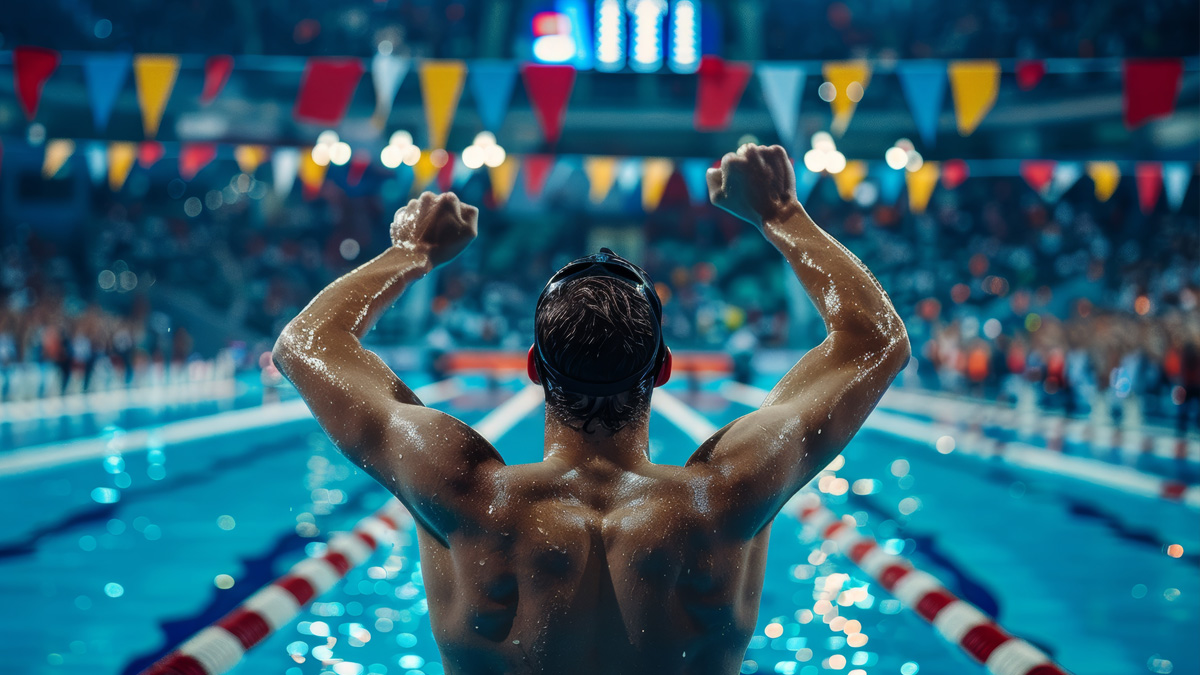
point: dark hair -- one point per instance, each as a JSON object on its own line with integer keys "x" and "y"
{"x": 597, "y": 329}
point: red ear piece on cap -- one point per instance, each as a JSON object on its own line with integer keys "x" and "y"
{"x": 664, "y": 371}
{"x": 531, "y": 367}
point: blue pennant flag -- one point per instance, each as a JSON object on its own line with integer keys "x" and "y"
{"x": 891, "y": 182}
{"x": 96, "y": 154}
{"x": 1176, "y": 176}
{"x": 404, "y": 180}
{"x": 781, "y": 86}
{"x": 694, "y": 171}
{"x": 805, "y": 182}
{"x": 105, "y": 75}
{"x": 924, "y": 85}
{"x": 491, "y": 84}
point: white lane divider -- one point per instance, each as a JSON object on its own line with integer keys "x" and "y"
{"x": 696, "y": 426}
{"x": 50, "y": 455}
{"x": 498, "y": 422}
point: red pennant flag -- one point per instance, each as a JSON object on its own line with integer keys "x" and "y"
{"x": 327, "y": 88}
{"x": 149, "y": 152}
{"x": 1038, "y": 173}
{"x": 32, "y": 66}
{"x": 536, "y": 169}
{"x": 954, "y": 173}
{"x": 549, "y": 87}
{"x": 1029, "y": 73}
{"x": 358, "y": 166}
{"x": 216, "y": 74}
{"x": 1151, "y": 87}
{"x": 193, "y": 157}
{"x": 445, "y": 175}
{"x": 1149, "y": 184}
{"x": 721, "y": 87}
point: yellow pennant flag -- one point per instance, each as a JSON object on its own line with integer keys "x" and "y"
{"x": 849, "y": 80}
{"x": 312, "y": 175}
{"x": 656, "y": 171}
{"x": 974, "y": 85}
{"x": 423, "y": 171}
{"x": 120, "y": 161}
{"x": 848, "y": 178}
{"x": 441, "y": 86}
{"x": 58, "y": 151}
{"x": 504, "y": 177}
{"x": 155, "y": 77}
{"x": 920, "y": 186}
{"x": 249, "y": 157}
{"x": 1106, "y": 176}
{"x": 601, "y": 172}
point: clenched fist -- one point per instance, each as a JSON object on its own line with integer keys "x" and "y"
{"x": 756, "y": 184}
{"x": 438, "y": 225}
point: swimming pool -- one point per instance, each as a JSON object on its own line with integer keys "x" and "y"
{"x": 107, "y": 563}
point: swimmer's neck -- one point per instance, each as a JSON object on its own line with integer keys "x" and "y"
{"x": 625, "y": 449}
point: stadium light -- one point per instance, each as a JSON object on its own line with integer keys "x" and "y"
{"x": 647, "y": 47}
{"x": 610, "y": 35}
{"x": 685, "y": 36}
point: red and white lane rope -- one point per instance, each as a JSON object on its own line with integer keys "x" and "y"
{"x": 957, "y": 620}
{"x": 219, "y": 647}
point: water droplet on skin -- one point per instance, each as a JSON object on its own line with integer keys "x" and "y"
{"x": 516, "y": 642}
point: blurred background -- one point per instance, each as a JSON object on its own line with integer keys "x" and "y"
{"x": 177, "y": 181}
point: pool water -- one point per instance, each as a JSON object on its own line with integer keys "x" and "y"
{"x": 100, "y": 582}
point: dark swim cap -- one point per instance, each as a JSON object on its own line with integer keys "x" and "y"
{"x": 603, "y": 264}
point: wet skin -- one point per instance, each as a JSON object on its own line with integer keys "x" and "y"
{"x": 596, "y": 560}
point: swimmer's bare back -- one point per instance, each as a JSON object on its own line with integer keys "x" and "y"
{"x": 596, "y": 560}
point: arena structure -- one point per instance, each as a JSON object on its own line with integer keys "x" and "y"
{"x": 177, "y": 182}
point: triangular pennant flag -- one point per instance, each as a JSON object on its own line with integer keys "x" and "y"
{"x": 891, "y": 182}
{"x": 284, "y": 164}
{"x": 193, "y": 157}
{"x": 1106, "y": 176}
{"x": 849, "y": 80}
{"x": 58, "y": 151}
{"x": 924, "y": 85}
{"x": 601, "y": 172}
{"x": 1030, "y": 73}
{"x": 149, "y": 152}
{"x": 359, "y": 162}
{"x": 781, "y": 86}
{"x": 1149, "y": 184}
{"x": 954, "y": 173}
{"x": 805, "y": 182}
{"x": 848, "y": 178}
{"x": 250, "y": 157}
{"x": 105, "y": 75}
{"x": 695, "y": 177}
{"x": 656, "y": 171}
{"x": 549, "y": 88}
{"x": 404, "y": 180}
{"x": 1066, "y": 174}
{"x": 974, "y": 85}
{"x": 441, "y": 87}
{"x": 718, "y": 92}
{"x": 1038, "y": 173}
{"x": 1176, "y": 176}
{"x": 155, "y": 78}
{"x": 536, "y": 169}
{"x": 503, "y": 178}
{"x": 97, "y": 161}
{"x": 629, "y": 176}
{"x": 120, "y": 161}
{"x": 492, "y": 83}
{"x": 327, "y": 86}
{"x": 387, "y": 74}
{"x": 216, "y": 73}
{"x": 462, "y": 173}
{"x": 1151, "y": 87}
{"x": 445, "y": 174}
{"x": 920, "y": 186}
{"x": 312, "y": 175}
{"x": 32, "y": 66}
{"x": 424, "y": 170}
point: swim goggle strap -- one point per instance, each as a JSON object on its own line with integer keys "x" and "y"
{"x": 603, "y": 264}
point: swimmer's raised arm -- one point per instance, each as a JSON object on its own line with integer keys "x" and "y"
{"x": 763, "y": 458}
{"x": 373, "y": 417}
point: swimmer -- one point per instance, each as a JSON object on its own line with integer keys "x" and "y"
{"x": 597, "y": 560}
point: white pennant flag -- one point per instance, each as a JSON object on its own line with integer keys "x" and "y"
{"x": 781, "y": 86}
{"x": 284, "y": 165}
{"x": 387, "y": 73}
{"x": 1176, "y": 176}
{"x": 1066, "y": 174}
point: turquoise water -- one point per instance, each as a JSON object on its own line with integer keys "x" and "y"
{"x": 102, "y": 588}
